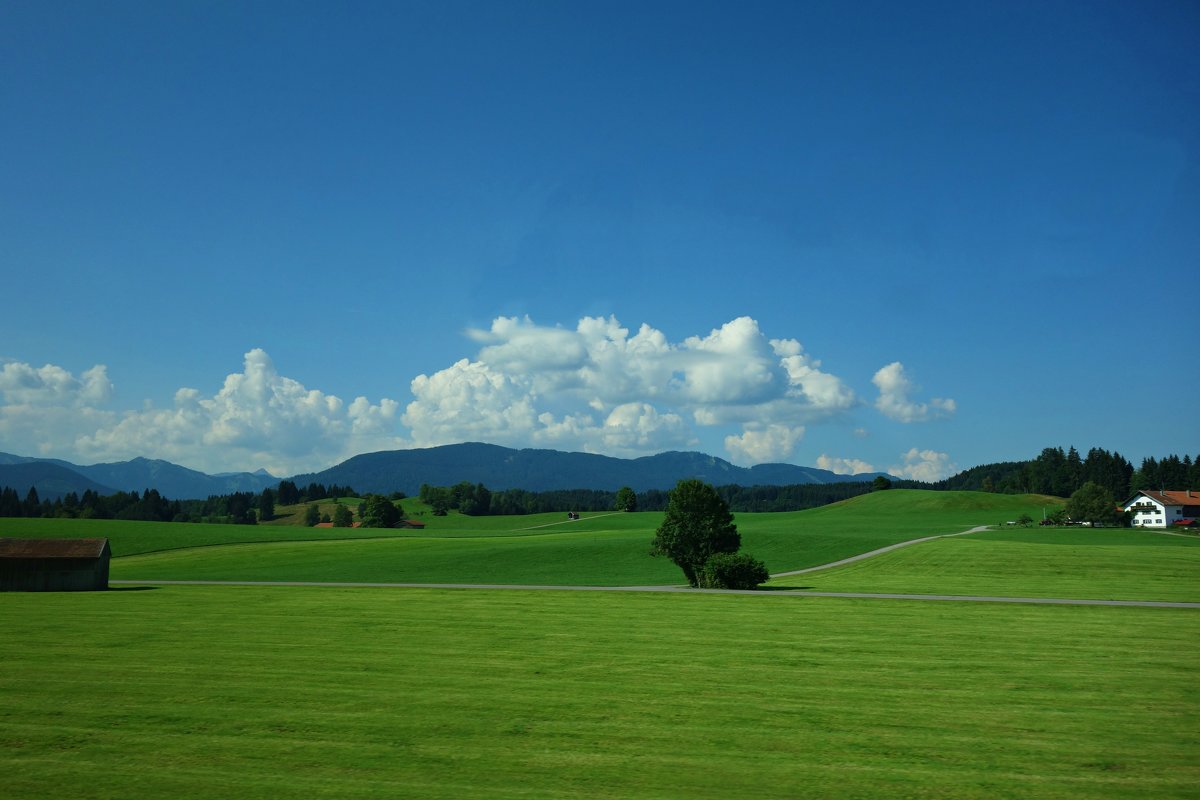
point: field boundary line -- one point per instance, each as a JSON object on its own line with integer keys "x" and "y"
{"x": 877, "y": 552}
{"x": 261, "y": 541}
{"x": 567, "y": 521}
{"x": 1061, "y": 601}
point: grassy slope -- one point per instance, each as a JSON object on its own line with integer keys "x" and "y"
{"x": 1095, "y": 564}
{"x": 836, "y": 531}
{"x": 306, "y": 693}
{"x": 132, "y": 538}
{"x": 294, "y": 514}
{"x": 601, "y": 549}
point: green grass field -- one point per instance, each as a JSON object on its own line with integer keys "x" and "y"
{"x": 1112, "y": 564}
{"x": 600, "y": 549}
{"x": 237, "y": 692}
{"x": 232, "y": 692}
{"x": 133, "y": 538}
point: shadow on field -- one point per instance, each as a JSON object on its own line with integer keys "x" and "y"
{"x": 132, "y": 588}
{"x": 782, "y": 588}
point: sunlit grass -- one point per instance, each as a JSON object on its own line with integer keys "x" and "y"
{"x": 238, "y": 692}
{"x": 600, "y": 549}
{"x": 1112, "y": 564}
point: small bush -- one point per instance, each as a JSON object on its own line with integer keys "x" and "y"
{"x": 733, "y": 571}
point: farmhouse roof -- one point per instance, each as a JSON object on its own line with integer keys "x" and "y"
{"x": 1181, "y": 498}
{"x": 52, "y": 548}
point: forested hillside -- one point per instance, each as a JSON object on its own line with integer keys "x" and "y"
{"x": 1061, "y": 474}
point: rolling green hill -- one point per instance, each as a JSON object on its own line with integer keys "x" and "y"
{"x": 1104, "y": 564}
{"x": 601, "y": 549}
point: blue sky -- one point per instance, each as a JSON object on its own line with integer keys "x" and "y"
{"x": 909, "y": 237}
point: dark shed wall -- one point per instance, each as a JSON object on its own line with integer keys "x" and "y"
{"x": 30, "y": 573}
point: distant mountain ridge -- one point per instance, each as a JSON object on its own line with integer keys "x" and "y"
{"x": 388, "y": 471}
{"x": 501, "y": 468}
{"x": 52, "y": 480}
{"x": 170, "y": 480}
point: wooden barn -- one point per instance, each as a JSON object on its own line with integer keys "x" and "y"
{"x": 54, "y": 565}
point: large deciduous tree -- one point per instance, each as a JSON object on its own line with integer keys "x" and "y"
{"x": 1092, "y": 503}
{"x": 342, "y": 517}
{"x": 378, "y": 512}
{"x": 697, "y": 525}
{"x": 626, "y": 499}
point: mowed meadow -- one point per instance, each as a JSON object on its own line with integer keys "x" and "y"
{"x": 610, "y": 549}
{"x": 291, "y": 691}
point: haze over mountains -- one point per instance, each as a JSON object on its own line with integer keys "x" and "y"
{"x": 405, "y": 470}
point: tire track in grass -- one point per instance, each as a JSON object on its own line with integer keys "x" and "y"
{"x": 878, "y": 552}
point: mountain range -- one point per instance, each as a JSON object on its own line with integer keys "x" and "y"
{"x": 53, "y": 477}
{"x": 496, "y": 467}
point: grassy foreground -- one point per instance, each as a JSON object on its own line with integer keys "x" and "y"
{"x": 235, "y": 692}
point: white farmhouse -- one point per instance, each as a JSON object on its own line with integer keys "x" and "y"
{"x": 1163, "y": 509}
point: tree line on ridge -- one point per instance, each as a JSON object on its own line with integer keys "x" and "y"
{"x": 1054, "y": 472}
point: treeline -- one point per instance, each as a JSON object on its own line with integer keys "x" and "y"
{"x": 1054, "y": 472}
{"x": 478, "y": 500}
{"x": 1061, "y": 474}
{"x": 238, "y": 508}
{"x": 289, "y": 494}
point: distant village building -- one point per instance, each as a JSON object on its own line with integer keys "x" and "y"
{"x": 54, "y": 565}
{"x": 1163, "y": 509}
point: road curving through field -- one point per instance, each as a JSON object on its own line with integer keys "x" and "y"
{"x": 689, "y": 590}
{"x": 880, "y": 551}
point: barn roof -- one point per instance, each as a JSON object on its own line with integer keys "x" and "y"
{"x": 52, "y": 548}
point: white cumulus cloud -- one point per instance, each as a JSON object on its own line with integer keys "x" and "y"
{"x": 470, "y": 401}
{"x": 44, "y": 410}
{"x": 50, "y": 385}
{"x": 769, "y": 444}
{"x": 895, "y": 388}
{"x": 600, "y": 388}
{"x": 924, "y": 465}
{"x": 843, "y": 466}
{"x": 597, "y": 387}
{"x": 259, "y": 418}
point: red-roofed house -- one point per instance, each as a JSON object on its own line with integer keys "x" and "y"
{"x": 1163, "y": 509}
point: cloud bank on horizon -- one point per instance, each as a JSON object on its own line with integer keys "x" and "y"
{"x": 595, "y": 388}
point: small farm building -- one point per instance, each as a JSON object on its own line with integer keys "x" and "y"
{"x": 54, "y": 565}
{"x": 1163, "y": 509}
